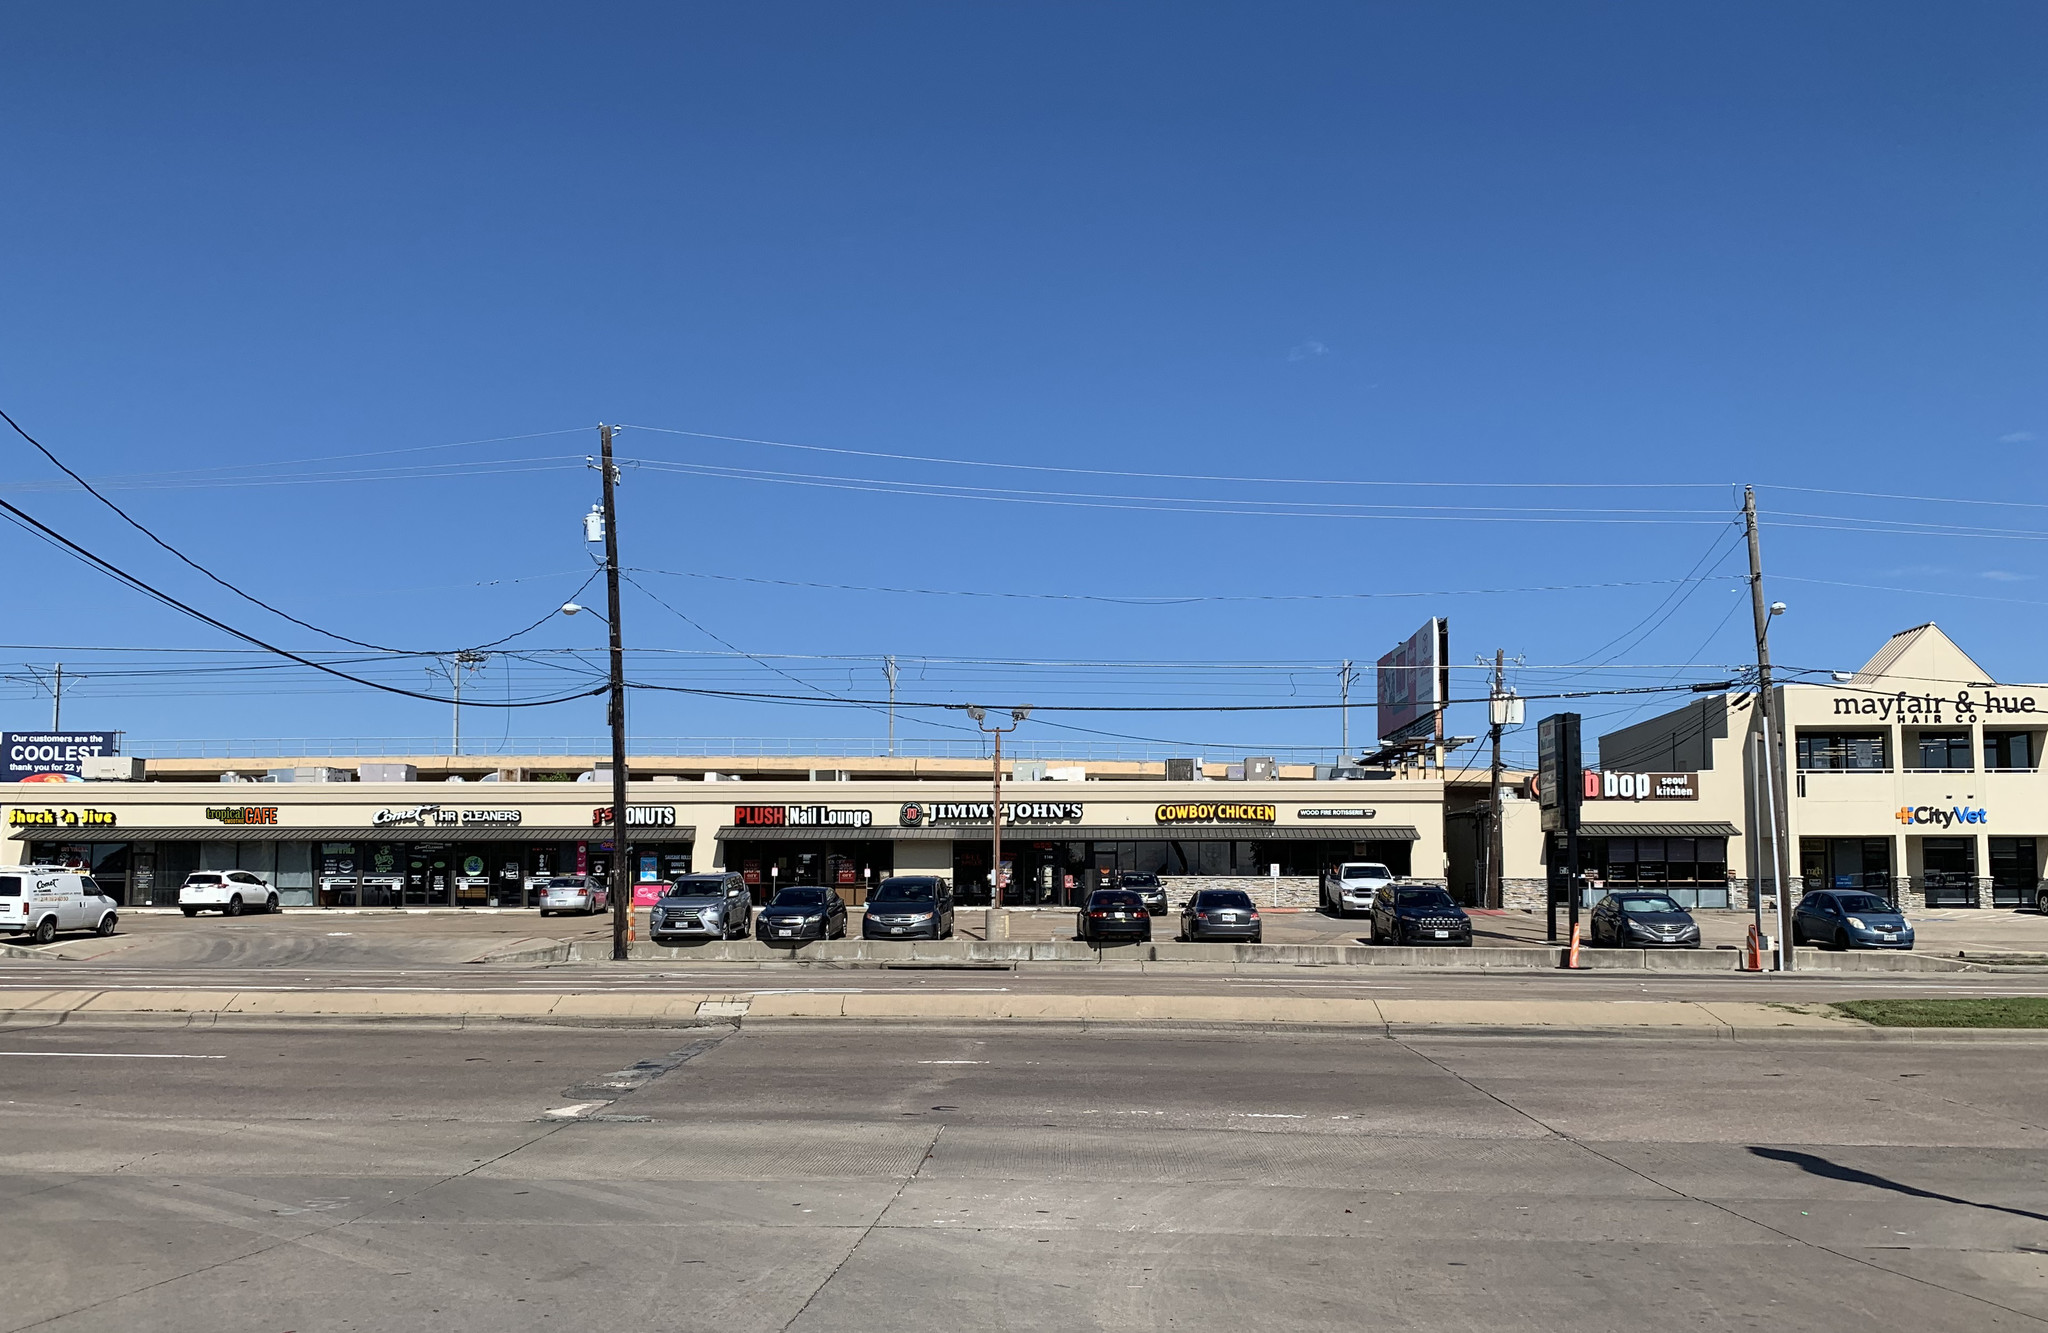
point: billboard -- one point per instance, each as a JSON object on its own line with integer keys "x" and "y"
{"x": 1415, "y": 683}
{"x": 52, "y": 756}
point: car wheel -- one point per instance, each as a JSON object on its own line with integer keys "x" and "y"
{"x": 1259, "y": 938}
{"x": 46, "y": 930}
{"x": 189, "y": 911}
{"x": 2041, "y": 904}
{"x": 270, "y": 907}
{"x": 234, "y": 907}
{"x": 1842, "y": 940}
{"x": 106, "y": 924}
{"x": 1373, "y": 931}
{"x": 543, "y": 911}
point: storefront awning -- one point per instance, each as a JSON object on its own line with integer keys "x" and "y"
{"x": 1699, "y": 830}
{"x": 1080, "y": 833}
{"x": 639, "y": 837}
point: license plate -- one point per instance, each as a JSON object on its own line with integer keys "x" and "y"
{"x": 785, "y": 932}
{"x": 1891, "y": 935}
{"x": 1443, "y": 934}
{"x": 896, "y": 930}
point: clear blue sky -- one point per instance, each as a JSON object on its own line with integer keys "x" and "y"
{"x": 1792, "y": 245}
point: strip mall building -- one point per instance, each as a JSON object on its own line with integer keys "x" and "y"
{"x": 483, "y": 843}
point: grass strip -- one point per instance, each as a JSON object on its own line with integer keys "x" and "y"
{"x": 2000, "y": 1011}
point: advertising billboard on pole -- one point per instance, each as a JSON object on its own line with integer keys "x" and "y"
{"x": 52, "y": 756}
{"x": 1415, "y": 683}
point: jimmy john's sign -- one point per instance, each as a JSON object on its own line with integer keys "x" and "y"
{"x": 915, "y": 814}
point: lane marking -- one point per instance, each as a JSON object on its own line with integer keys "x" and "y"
{"x": 109, "y": 1055}
{"x": 955, "y": 1062}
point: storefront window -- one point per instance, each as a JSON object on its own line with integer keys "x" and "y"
{"x": 1944, "y": 751}
{"x": 1948, "y": 871}
{"x": 1843, "y": 750}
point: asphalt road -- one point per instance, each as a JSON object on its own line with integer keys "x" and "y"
{"x": 806, "y": 1178}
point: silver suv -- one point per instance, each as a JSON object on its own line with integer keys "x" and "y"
{"x": 699, "y": 907}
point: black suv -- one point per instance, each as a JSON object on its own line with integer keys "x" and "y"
{"x": 802, "y": 913}
{"x": 1115, "y": 914}
{"x": 1418, "y": 915}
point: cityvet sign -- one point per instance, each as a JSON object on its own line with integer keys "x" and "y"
{"x": 1912, "y": 708}
{"x": 799, "y": 816}
{"x": 1216, "y": 812}
{"x": 915, "y": 813}
{"x": 1939, "y": 817}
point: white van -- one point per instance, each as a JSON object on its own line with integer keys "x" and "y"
{"x": 229, "y": 892}
{"x": 39, "y": 901}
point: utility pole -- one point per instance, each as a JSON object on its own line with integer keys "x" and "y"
{"x": 1344, "y": 694}
{"x": 889, "y": 670}
{"x": 622, "y": 863}
{"x": 995, "y": 817}
{"x": 57, "y": 701}
{"x": 1495, "y": 896}
{"x": 1773, "y": 796}
{"x": 453, "y": 669}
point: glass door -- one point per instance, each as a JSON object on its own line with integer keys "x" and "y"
{"x": 2015, "y": 871}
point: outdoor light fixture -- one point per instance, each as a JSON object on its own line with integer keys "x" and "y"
{"x": 1777, "y": 608}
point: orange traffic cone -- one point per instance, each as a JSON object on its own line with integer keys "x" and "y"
{"x": 1756, "y": 949}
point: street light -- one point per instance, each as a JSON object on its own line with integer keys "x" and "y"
{"x": 571, "y": 609}
{"x": 995, "y": 815}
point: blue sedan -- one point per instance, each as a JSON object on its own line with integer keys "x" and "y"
{"x": 1850, "y": 919}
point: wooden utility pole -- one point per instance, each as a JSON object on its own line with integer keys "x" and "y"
{"x": 1774, "y": 794}
{"x": 622, "y": 852}
{"x": 1495, "y": 895}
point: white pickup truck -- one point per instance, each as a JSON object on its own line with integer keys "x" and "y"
{"x": 1348, "y": 888}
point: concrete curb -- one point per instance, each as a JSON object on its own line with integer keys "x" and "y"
{"x": 1167, "y": 955}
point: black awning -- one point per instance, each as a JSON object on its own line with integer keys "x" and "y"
{"x": 1080, "y": 833}
{"x": 637, "y": 837}
{"x": 1703, "y": 829}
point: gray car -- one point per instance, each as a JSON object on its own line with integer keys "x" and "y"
{"x": 702, "y": 907}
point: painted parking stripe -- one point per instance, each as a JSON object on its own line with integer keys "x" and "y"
{"x": 109, "y": 1055}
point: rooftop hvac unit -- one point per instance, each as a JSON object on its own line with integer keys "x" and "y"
{"x": 387, "y": 773}
{"x": 311, "y": 774}
{"x": 1260, "y": 769}
{"x": 831, "y": 775}
{"x": 112, "y": 768}
{"x": 1180, "y": 770}
{"x": 1028, "y": 770}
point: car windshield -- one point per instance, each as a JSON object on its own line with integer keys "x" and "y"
{"x": 1862, "y": 902}
{"x": 905, "y": 891}
{"x": 695, "y": 888}
{"x": 1224, "y": 898}
{"x": 1648, "y": 902}
{"x": 1115, "y": 898}
{"x": 1425, "y": 898}
{"x": 1140, "y": 881}
{"x": 1364, "y": 870}
{"x": 799, "y": 898}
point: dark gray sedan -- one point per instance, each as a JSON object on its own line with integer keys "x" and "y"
{"x": 1642, "y": 920}
{"x": 802, "y": 914}
{"x": 1221, "y": 914}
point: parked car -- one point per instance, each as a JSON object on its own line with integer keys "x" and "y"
{"x": 575, "y": 893}
{"x": 908, "y": 907}
{"x": 1349, "y": 889}
{"x": 808, "y": 913}
{"x": 229, "y": 892}
{"x": 1220, "y": 914}
{"x": 1850, "y": 919}
{"x": 39, "y": 901}
{"x": 1642, "y": 920}
{"x": 1147, "y": 887}
{"x": 1114, "y": 914}
{"x": 702, "y": 907}
{"x": 1423, "y": 914}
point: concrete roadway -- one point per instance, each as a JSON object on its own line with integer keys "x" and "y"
{"x": 798, "y": 1177}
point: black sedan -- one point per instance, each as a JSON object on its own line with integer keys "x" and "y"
{"x": 1221, "y": 914}
{"x": 1644, "y": 920}
{"x": 802, "y": 914}
{"x": 1425, "y": 915}
{"x": 1850, "y": 919}
{"x": 1147, "y": 887}
{"x": 1115, "y": 914}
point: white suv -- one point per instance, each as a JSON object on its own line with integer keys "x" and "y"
{"x": 229, "y": 892}
{"x": 1350, "y": 887}
{"x": 39, "y": 901}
